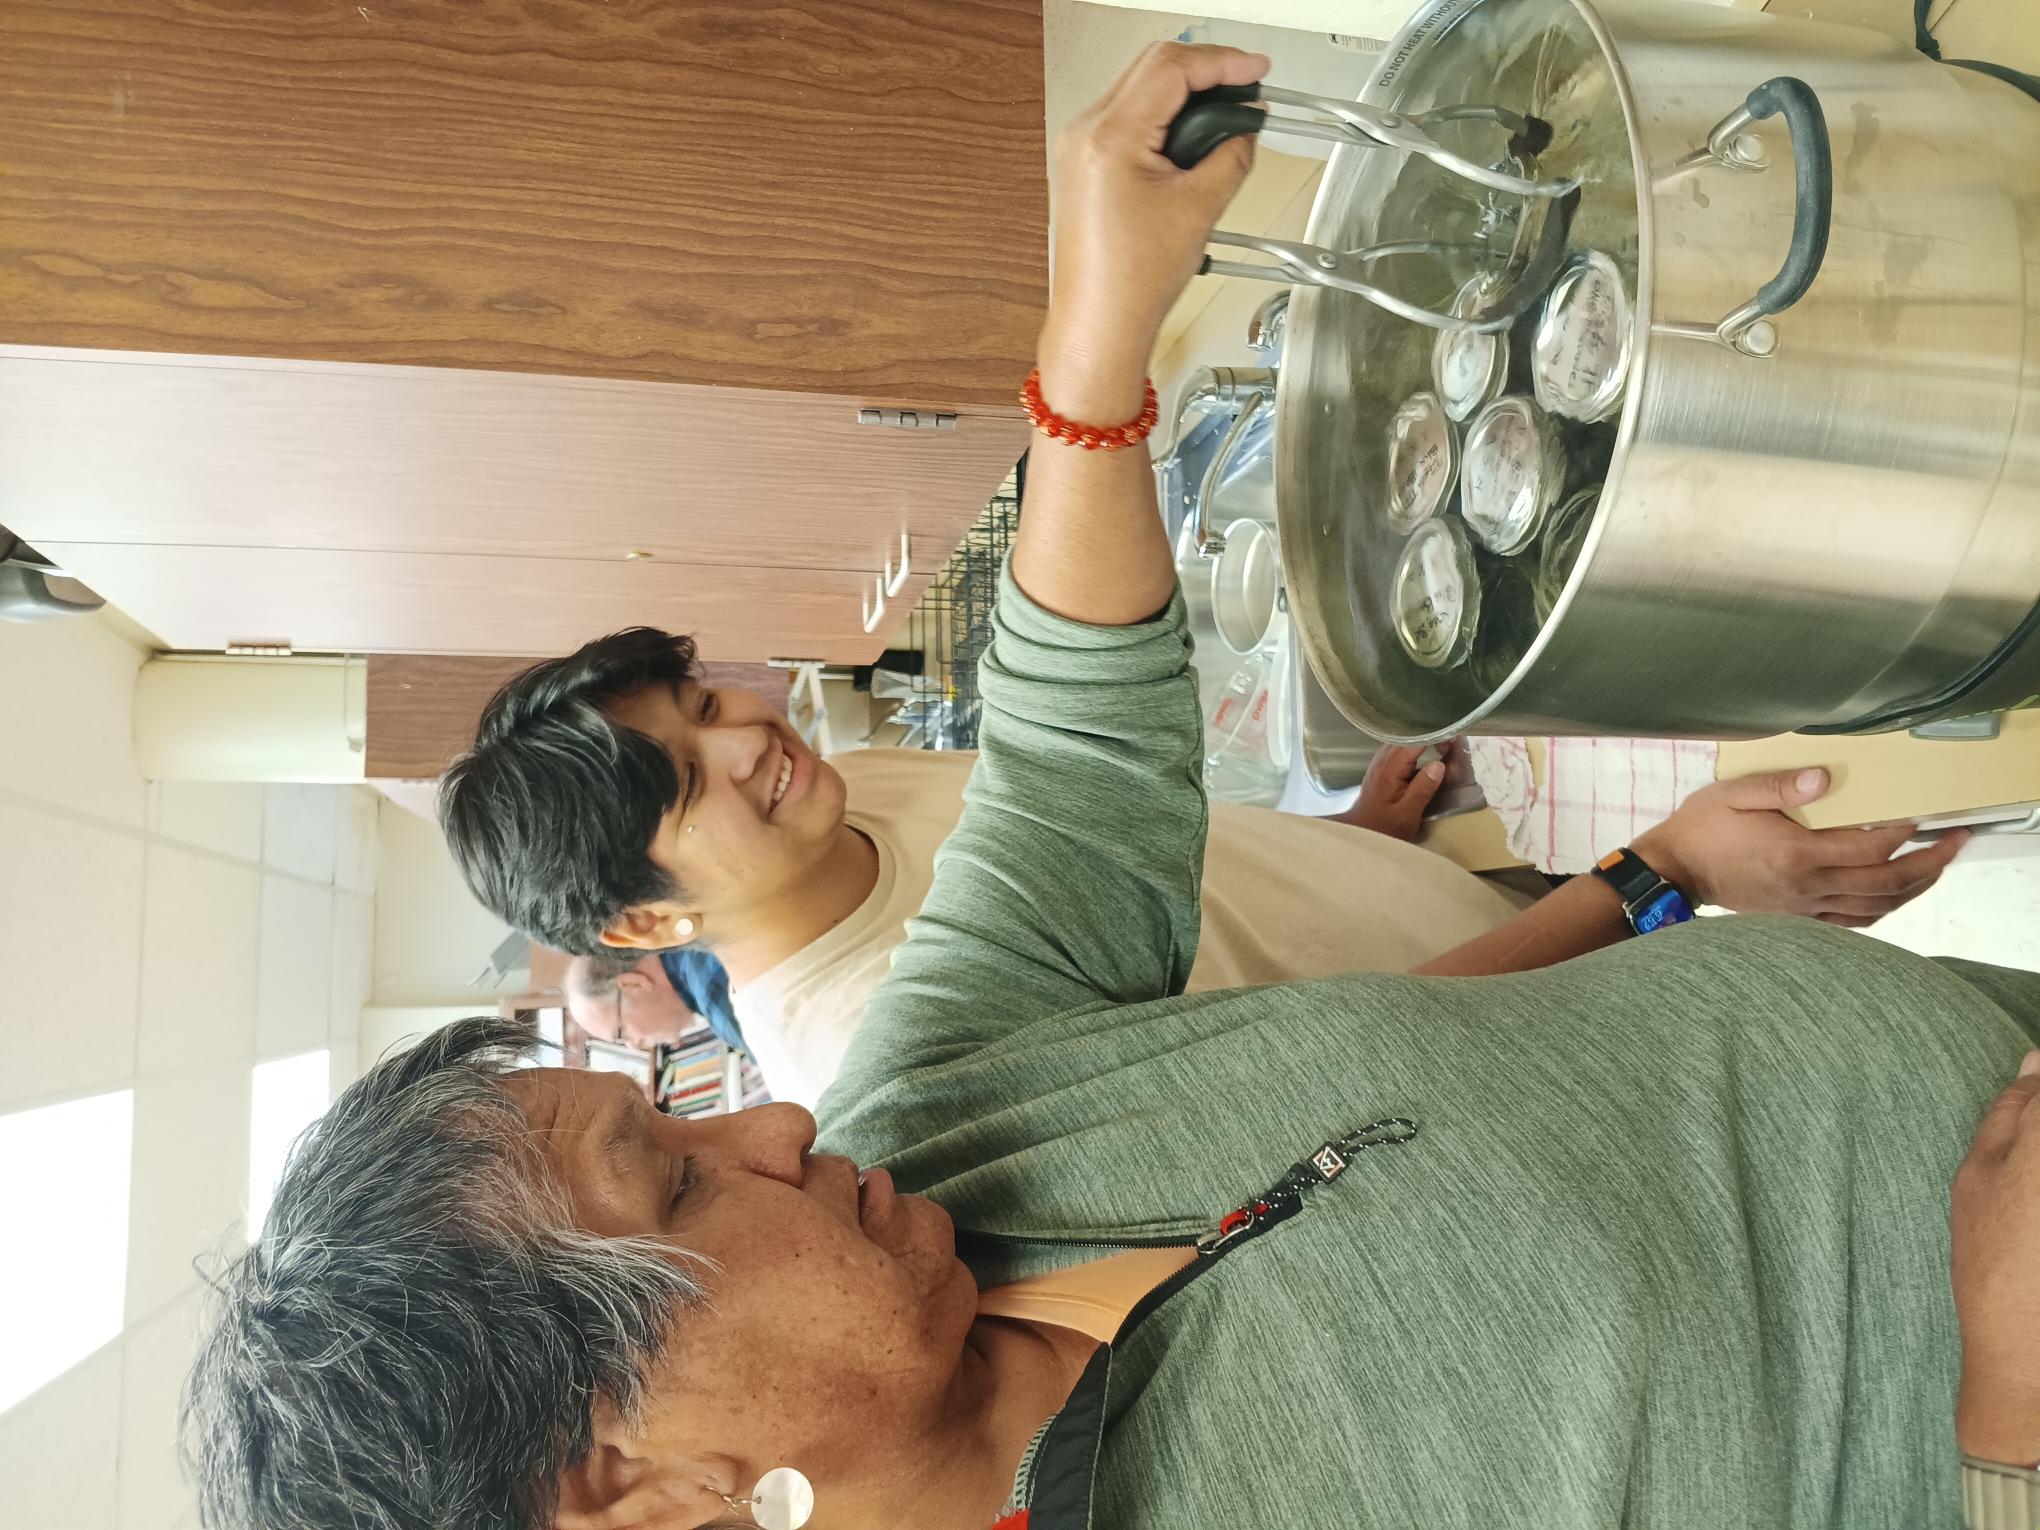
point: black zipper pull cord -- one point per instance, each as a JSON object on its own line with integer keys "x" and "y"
{"x": 1285, "y": 1198}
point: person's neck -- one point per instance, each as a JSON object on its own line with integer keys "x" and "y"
{"x": 1014, "y": 1377}
{"x": 835, "y": 889}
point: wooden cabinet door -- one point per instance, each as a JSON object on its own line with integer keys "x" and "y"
{"x": 380, "y": 602}
{"x": 422, "y": 708}
{"x": 838, "y": 197}
{"x": 210, "y": 451}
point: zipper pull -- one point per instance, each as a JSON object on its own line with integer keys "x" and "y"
{"x": 1276, "y": 1206}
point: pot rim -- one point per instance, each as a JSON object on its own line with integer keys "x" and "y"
{"x": 1291, "y": 405}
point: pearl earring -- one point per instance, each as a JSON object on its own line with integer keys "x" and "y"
{"x": 685, "y": 927}
{"x": 782, "y": 1500}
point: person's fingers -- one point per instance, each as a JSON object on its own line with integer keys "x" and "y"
{"x": 2008, "y": 1112}
{"x": 1397, "y": 763}
{"x": 1154, "y": 89}
{"x": 1906, "y": 877}
{"x": 1870, "y": 910}
{"x": 1860, "y": 847}
{"x": 1417, "y": 795}
{"x": 1774, "y": 791}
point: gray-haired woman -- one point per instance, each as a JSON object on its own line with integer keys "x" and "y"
{"x": 1656, "y": 1238}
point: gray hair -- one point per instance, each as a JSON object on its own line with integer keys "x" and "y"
{"x": 421, "y": 1334}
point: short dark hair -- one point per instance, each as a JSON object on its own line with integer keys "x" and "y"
{"x": 420, "y": 1335}
{"x": 550, "y": 816}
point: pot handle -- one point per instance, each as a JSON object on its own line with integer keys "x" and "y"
{"x": 1208, "y": 119}
{"x": 1813, "y": 202}
{"x": 1813, "y": 187}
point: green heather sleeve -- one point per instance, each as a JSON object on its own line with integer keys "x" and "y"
{"x": 1072, "y": 876}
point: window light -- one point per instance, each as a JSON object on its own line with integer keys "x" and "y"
{"x": 288, "y": 1096}
{"x": 64, "y": 1203}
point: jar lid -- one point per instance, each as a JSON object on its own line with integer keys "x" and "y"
{"x": 1514, "y": 470}
{"x": 1423, "y": 461}
{"x": 1434, "y": 598}
{"x": 1579, "y": 360}
{"x": 1469, "y": 369}
{"x": 1563, "y": 539}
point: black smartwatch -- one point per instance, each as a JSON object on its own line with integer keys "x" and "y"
{"x": 1649, "y": 902}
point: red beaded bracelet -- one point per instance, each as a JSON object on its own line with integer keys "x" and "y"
{"x": 1091, "y": 438}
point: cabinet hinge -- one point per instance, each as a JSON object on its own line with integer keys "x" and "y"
{"x": 907, "y": 419}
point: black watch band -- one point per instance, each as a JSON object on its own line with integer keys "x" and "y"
{"x": 1649, "y": 902}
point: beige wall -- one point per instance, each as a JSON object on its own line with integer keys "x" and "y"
{"x": 431, "y": 937}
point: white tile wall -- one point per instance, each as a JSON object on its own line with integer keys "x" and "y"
{"x": 157, "y": 937}
{"x": 354, "y": 861}
{"x": 58, "y": 1449}
{"x": 191, "y": 1184}
{"x": 294, "y": 998}
{"x": 68, "y": 687}
{"x": 225, "y": 817}
{"x": 71, "y": 930}
{"x": 300, "y": 831}
{"x": 201, "y": 934}
{"x": 152, "y": 1491}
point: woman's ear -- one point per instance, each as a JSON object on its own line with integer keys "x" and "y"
{"x": 620, "y": 1485}
{"x": 651, "y": 927}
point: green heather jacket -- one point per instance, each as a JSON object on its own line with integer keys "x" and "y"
{"x": 1668, "y": 1249}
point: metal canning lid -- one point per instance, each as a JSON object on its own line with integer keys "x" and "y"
{"x": 1469, "y": 369}
{"x": 1579, "y": 359}
{"x": 1513, "y": 472}
{"x": 1434, "y": 599}
{"x": 1423, "y": 461}
{"x": 1563, "y": 538}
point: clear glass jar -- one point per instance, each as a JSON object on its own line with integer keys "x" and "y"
{"x": 1423, "y": 461}
{"x": 1434, "y": 598}
{"x": 1513, "y": 472}
{"x": 1564, "y": 535}
{"x": 1579, "y": 358}
{"x": 1469, "y": 369}
{"x": 1509, "y": 624}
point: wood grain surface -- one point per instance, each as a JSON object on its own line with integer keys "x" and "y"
{"x": 422, "y": 708}
{"x": 842, "y": 196}
{"x": 100, "y": 447}
{"x": 375, "y": 602}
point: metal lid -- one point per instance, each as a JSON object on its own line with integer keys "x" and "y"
{"x": 1579, "y": 360}
{"x": 1434, "y": 599}
{"x": 1469, "y": 369}
{"x": 1564, "y": 535}
{"x": 1423, "y": 461}
{"x": 1515, "y": 468}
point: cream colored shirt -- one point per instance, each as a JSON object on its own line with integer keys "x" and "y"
{"x": 1285, "y": 897}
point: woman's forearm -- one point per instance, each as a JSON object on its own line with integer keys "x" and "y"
{"x": 1091, "y": 545}
{"x": 1582, "y": 916}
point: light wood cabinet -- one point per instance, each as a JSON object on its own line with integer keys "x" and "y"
{"x": 551, "y": 317}
{"x": 368, "y": 602}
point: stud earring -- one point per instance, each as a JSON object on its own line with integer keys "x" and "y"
{"x": 782, "y": 1500}
{"x": 685, "y": 927}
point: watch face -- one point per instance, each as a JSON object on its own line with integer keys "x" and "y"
{"x": 1668, "y": 907}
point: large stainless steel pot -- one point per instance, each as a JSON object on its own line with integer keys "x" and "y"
{"x": 1827, "y": 519}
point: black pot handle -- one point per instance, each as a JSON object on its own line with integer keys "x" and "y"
{"x": 1813, "y": 189}
{"x": 1208, "y": 119}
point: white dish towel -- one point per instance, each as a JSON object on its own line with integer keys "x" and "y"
{"x": 1598, "y": 794}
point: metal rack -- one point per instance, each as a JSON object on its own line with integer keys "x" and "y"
{"x": 951, "y": 627}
